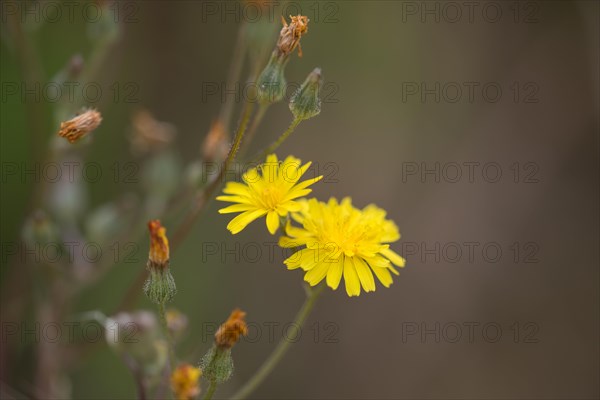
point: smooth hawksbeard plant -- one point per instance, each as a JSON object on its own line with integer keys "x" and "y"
{"x": 342, "y": 240}
{"x": 331, "y": 241}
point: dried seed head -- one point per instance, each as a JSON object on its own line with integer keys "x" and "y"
{"x": 84, "y": 123}
{"x": 149, "y": 134}
{"x": 216, "y": 144}
{"x": 289, "y": 37}
{"x": 230, "y": 331}
{"x": 184, "y": 382}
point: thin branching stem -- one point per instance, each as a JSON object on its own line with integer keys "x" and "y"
{"x": 212, "y": 387}
{"x": 163, "y": 321}
{"x": 275, "y": 145}
{"x": 282, "y": 346}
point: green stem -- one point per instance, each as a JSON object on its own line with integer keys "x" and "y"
{"x": 207, "y": 193}
{"x": 165, "y": 326}
{"x": 282, "y": 347}
{"x": 262, "y": 110}
{"x": 279, "y": 140}
{"x": 211, "y": 390}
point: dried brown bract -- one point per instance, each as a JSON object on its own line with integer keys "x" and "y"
{"x": 78, "y": 127}
{"x": 230, "y": 331}
{"x": 289, "y": 37}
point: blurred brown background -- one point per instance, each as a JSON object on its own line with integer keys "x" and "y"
{"x": 378, "y": 123}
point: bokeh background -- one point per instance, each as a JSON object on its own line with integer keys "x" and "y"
{"x": 373, "y": 131}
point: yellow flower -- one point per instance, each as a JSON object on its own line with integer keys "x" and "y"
{"x": 274, "y": 192}
{"x": 343, "y": 240}
{"x": 184, "y": 382}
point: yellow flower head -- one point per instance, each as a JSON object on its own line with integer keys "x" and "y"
{"x": 272, "y": 189}
{"x": 343, "y": 240}
{"x": 184, "y": 382}
{"x": 159, "y": 244}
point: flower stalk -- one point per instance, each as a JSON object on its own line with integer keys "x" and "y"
{"x": 283, "y": 346}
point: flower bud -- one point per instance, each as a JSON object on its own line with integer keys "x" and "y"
{"x": 217, "y": 364}
{"x": 160, "y": 285}
{"x": 305, "y": 103}
{"x": 271, "y": 82}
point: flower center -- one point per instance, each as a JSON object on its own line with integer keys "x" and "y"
{"x": 271, "y": 197}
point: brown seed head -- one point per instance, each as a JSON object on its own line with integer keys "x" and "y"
{"x": 76, "y": 128}
{"x": 289, "y": 37}
{"x": 230, "y": 331}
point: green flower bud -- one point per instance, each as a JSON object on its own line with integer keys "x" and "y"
{"x": 217, "y": 364}
{"x": 271, "y": 82}
{"x": 160, "y": 285}
{"x": 305, "y": 102}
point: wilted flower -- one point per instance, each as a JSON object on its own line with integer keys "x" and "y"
{"x": 289, "y": 37}
{"x": 184, "y": 382}
{"x": 84, "y": 123}
{"x": 230, "y": 331}
{"x": 343, "y": 240}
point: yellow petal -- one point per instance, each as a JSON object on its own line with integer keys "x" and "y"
{"x": 334, "y": 275}
{"x": 236, "y": 208}
{"x": 272, "y": 222}
{"x": 364, "y": 274}
{"x": 234, "y": 199}
{"x": 393, "y": 257}
{"x": 237, "y": 224}
{"x": 305, "y": 258}
{"x": 236, "y": 188}
{"x": 351, "y": 278}
{"x": 384, "y": 276}
{"x": 316, "y": 274}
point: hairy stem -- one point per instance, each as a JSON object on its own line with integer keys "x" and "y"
{"x": 275, "y": 145}
{"x": 165, "y": 326}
